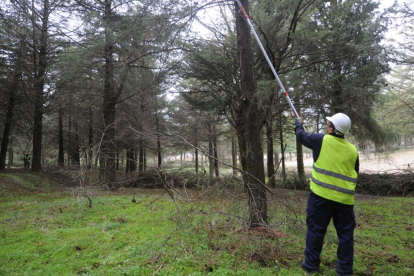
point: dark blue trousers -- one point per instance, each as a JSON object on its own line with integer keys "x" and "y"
{"x": 319, "y": 214}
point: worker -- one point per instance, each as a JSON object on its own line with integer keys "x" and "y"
{"x": 334, "y": 176}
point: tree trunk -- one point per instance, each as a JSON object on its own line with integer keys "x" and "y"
{"x": 277, "y": 160}
{"x": 270, "y": 163}
{"x": 234, "y": 151}
{"x": 9, "y": 117}
{"x": 129, "y": 160}
{"x": 158, "y": 141}
{"x": 117, "y": 160}
{"x": 10, "y": 157}
{"x": 299, "y": 157}
{"x": 318, "y": 116}
{"x": 39, "y": 87}
{"x": 107, "y": 160}
{"x": 70, "y": 132}
{"x": 202, "y": 161}
{"x": 90, "y": 139}
{"x": 61, "y": 154}
{"x": 141, "y": 155}
{"x": 337, "y": 71}
{"x": 282, "y": 149}
{"x": 210, "y": 161}
{"x": 300, "y": 165}
{"x": 248, "y": 127}
{"x": 145, "y": 160}
{"x": 216, "y": 163}
{"x": 196, "y": 159}
{"x": 97, "y": 158}
{"x": 76, "y": 146}
{"x": 127, "y": 166}
{"x": 405, "y": 141}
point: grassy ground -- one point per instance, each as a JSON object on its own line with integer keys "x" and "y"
{"x": 47, "y": 228}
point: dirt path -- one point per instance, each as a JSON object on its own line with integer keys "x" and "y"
{"x": 397, "y": 161}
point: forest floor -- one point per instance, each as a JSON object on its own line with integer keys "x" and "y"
{"x": 57, "y": 223}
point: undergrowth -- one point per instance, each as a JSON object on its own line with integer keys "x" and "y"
{"x": 141, "y": 232}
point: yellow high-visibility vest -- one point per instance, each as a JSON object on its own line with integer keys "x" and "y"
{"x": 333, "y": 174}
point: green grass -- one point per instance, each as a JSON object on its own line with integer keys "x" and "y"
{"x": 56, "y": 233}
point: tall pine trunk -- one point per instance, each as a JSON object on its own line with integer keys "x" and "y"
{"x": 141, "y": 155}
{"x": 300, "y": 165}
{"x": 299, "y": 161}
{"x": 69, "y": 153}
{"x": 234, "y": 151}
{"x": 196, "y": 158}
{"x": 10, "y": 157}
{"x": 248, "y": 126}
{"x": 61, "y": 157}
{"x": 215, "y": 149}
{"x": 9, "y": 117}
{"x": 270, "y": 161}
{"x": 90, "y": 140}
{"x": 40, "y": 76}
{"x": 282, "y": 149}
{"x": 158, "y": 142}
{"x": 107, "y": 159}
{"x": 337, "y": 103}
{"x": 210, "y": 161}
{"x": 145, "y": 160}
{"x": 76, "y": 146}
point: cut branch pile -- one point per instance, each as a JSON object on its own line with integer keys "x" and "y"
{"x": 152, "y": 180}
{"x": 395, "y": 184}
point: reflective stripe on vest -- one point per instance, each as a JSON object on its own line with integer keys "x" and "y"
{"x": 333, "y": 187}
{"x": 333, "y": 174}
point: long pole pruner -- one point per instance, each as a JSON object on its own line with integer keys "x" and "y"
{"x": 295, "y": 113}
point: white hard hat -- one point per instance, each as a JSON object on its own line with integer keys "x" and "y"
{"x": 341, "y": 122}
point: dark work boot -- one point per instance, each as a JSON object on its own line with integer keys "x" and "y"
{"x": 309, "y": 270}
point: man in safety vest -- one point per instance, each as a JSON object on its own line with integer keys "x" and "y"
{"x": 334, "y": 176}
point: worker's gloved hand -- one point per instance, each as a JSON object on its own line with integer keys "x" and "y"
{"x": 298, "y": 120}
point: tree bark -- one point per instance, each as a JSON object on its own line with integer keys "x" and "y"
{"x": 107, "y": 160}
{"x": 234, "y": 151}
{"x": 90, "y": 139}
{"x": 76, "y": 146}
{"x": 145, "y": 160}
{"x": 9, "y": 117}
{"x": 270, "y": 162}
{"x": 300, "y": 165}
{"x": 10, "y": 157}
{"x": 61, "y": 157}
{"x": 210, "y": 161}
{"x": 196, "y": 158}
{"x": 299, "y": 158}
{"x": 128, "y": 161}
{"x": 158, "y": 141}
{"x": 39, "y": 87}
{"x": 337, "y": 71}
{"x": 141, "y": 155}
{"x": 282, "y": 149}
{"x": 117, "y": 160}
{"x": 216, "y": 162}
{"x": 248, "y": 126}
{"x": 69, "y": 153}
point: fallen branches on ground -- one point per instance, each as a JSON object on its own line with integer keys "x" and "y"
{"x": 395, "y": 184}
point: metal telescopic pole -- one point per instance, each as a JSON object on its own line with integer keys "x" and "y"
{"x": 295, "y": 113}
